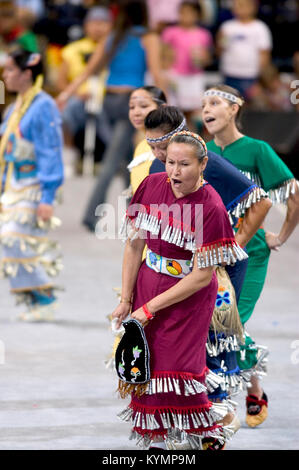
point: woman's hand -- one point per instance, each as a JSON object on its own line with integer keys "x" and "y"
{"x": 140, "y": 316}
{"x": 273, "y": 241}
{"x": 121, "y": 312}
{"x": 44, "y": 212}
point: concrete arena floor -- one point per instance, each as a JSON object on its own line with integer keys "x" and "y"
{"x": 55, "y": 390}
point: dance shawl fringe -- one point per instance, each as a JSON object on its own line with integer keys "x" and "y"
{"x": 221, "y": 251}
{"x": 238, "y": 209}
{"x": 226, "y": 318}
{"x": 281, "y": 193}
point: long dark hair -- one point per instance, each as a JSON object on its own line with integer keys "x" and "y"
{"x": 26, "y": 60}
{"x": 130, "y": 13}
{"x": 157, "y": 94}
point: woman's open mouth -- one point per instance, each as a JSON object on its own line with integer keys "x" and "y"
{"x": 176, "y": 182}
{"x": 209, "y": 119}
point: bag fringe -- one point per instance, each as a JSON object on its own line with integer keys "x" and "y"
{"x": 125, "y": 389}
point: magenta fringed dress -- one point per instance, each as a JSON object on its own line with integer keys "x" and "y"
{"x": 175, "y": 405}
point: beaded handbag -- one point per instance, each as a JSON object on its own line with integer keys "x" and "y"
{"x": 132, "y": 359}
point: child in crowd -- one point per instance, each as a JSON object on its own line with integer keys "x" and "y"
{"x": 191, "y": 46}
{"x": 244, "y": 46}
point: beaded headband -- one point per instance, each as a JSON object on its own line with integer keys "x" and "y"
{"x": 167, "y": 136}
{"x": 224, "y": 94}
{"x": 195, "y": 136}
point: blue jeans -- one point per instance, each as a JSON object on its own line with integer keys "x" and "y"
{"x": 118, "y": 152}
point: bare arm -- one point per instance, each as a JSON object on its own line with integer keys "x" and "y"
{"x": 291, "y": 221}
{"x": 153, "y": 47}
{"x": 265, "y": 58}
{"x": 131, "y": 263}
{"x": 254, "y": 217}
{"x": 219, "y": 43}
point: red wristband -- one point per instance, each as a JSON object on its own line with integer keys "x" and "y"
{"x": 148, "y": 314}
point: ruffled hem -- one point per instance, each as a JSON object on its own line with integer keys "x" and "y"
{"x": 177, "y": 424}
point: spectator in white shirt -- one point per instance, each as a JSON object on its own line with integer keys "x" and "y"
{"x": 244, "y": 46}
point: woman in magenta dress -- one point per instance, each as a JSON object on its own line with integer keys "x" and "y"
{"x": 172, "y": 293}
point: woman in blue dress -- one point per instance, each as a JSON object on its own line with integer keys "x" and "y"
{"x": 31, "y": 171}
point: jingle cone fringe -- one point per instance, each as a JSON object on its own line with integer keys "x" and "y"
{"x": 176, "y": 425}
{"x": 254, "y": 195}
{"x": 260, "y": 368}
{"x": 279, "y": 195}
{"x": 181, "y": 383}
{"x": 219, "y": 345}
{"x": 225, "y": 251}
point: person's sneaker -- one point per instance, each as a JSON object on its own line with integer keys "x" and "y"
{"x": 39, "y": 313}
{"x": 257, "y": 410}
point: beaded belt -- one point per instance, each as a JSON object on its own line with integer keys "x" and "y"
{"x": 172, "y": 267}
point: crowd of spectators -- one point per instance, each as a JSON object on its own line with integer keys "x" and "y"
{"x": 248, "y": 44}
{"x": 234, "y": 37}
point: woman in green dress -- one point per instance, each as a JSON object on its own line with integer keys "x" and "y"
{"x": 221, "y": 108}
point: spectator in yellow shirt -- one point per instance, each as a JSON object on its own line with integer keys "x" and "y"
{"x": 75, "y": 56}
